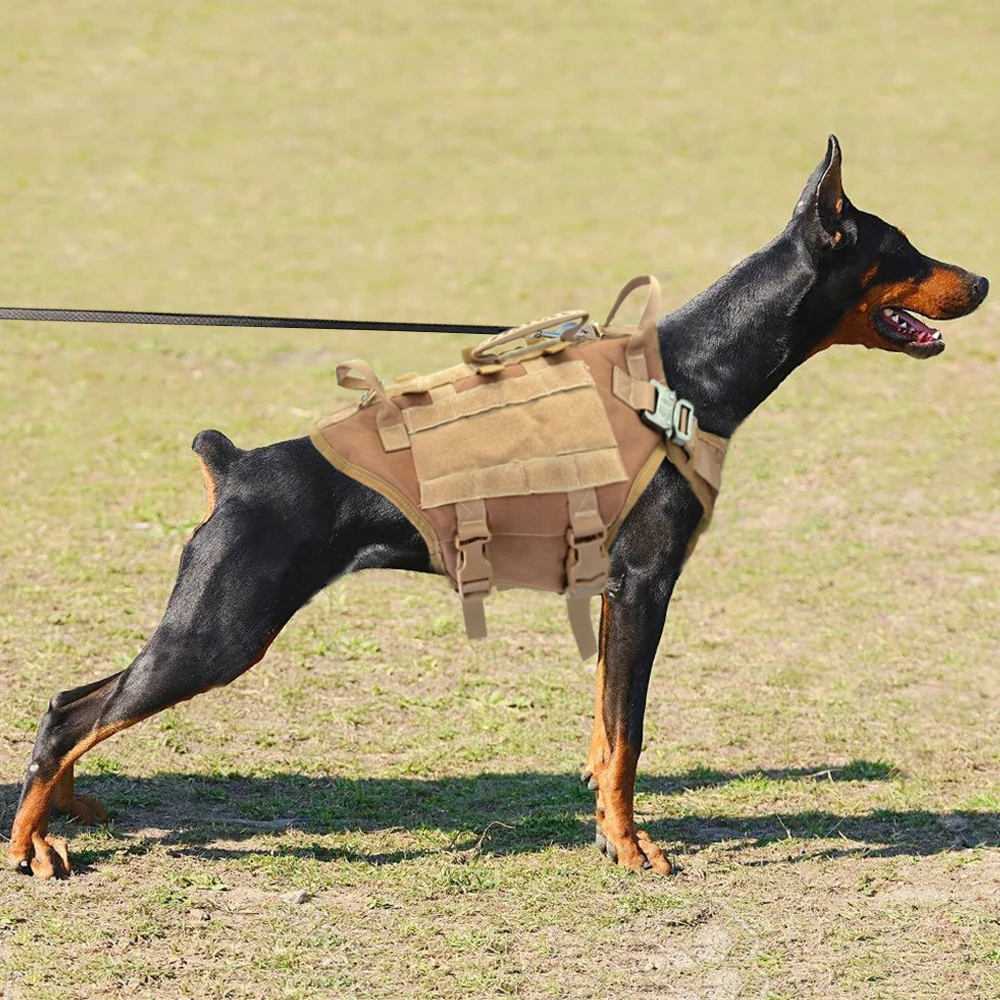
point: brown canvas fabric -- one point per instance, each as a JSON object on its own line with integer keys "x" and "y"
{"x": 517, "y": 467}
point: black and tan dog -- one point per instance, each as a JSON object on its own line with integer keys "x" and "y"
{"x": 283, "y": 523}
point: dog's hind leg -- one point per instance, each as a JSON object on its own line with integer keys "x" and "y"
{"x": 222, "y": 615}
{"x": 280, "y": 530}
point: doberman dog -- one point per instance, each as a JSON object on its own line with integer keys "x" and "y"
{"x": 282, "y": 523}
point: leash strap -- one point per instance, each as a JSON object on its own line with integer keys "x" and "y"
{"x": 210, "y": 319}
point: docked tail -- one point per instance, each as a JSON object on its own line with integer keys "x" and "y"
{"x": 216, "y": 453}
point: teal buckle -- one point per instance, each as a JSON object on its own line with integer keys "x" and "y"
{"x": 673, "y": 416}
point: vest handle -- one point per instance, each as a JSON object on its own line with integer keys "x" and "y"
{"x": 482, "y": 353}
{"x": 635, "y": 353}
{"x": 390, "y": 424}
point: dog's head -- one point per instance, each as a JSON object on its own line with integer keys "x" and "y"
{"x": 870, "y": 280}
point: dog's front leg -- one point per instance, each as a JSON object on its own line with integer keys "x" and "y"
{"x": 626, "y": 658}
{"x": 646, "y": 560}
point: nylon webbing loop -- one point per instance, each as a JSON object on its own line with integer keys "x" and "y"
{"x": 389, "y": 418}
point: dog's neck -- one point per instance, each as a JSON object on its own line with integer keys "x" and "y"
{"x": 731, "y": 346}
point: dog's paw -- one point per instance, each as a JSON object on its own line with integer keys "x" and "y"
{"x": 636, "y": 851}
{"x": 85, "y": 810}
{"x": 46, "y": 858}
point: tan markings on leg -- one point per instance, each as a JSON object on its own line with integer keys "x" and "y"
{"x": 32, "y": 820}
{"x": 50, "y": 858}
{"x": 617, "y": 787}
{"x": 616, "y": 813}
{"x": 209, "y": 489}
{"x": 600, "y": 750}
{"x": 28, "y": 835}
{"x": 62, "y": 790}
{"x": 84, "y": 809}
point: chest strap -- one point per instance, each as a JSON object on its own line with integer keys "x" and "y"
{"x": 697, "y": 454}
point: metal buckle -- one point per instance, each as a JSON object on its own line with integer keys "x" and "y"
{"x": 673, "y": 416}
{"x": 589, "y": 331}
{"x": 683, "y": 421}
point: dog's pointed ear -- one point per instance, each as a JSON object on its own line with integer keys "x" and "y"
{"x": 823, "y": 197}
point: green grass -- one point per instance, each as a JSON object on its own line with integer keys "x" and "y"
{"x": 821, "y": 752}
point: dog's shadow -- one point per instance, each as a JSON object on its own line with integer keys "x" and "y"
{"x": 497, "y": 813}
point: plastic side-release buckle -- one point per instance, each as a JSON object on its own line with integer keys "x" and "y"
{"x": 672, "y": 416}
{"x": 586, "y": 563}
{"x": 587, "y": 568}
{"x": 473, "y": 570}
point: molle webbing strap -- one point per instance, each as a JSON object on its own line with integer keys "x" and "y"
{"x": 474, "y": 574}
{"x": 587, "y": 565}
{"x": 586, "y": 561}
{"x": 447, "y": 405}
{"x": 544, "y": 431}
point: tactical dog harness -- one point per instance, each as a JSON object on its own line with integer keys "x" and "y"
{"x": 518, "y": 466}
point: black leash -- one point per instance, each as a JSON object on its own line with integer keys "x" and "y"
{"x": 208, "y": 319}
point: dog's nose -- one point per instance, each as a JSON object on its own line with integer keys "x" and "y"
{"x": 981, "y": 288}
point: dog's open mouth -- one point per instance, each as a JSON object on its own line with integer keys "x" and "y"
{"x": 908, "y": 333}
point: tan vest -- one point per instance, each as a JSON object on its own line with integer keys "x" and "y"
{"x": 518, "y": 466}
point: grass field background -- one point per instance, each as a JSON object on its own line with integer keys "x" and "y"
{"x": 823, "y": 718}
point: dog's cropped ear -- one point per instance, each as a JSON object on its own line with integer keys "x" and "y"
{"x": 823, "y": 202}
